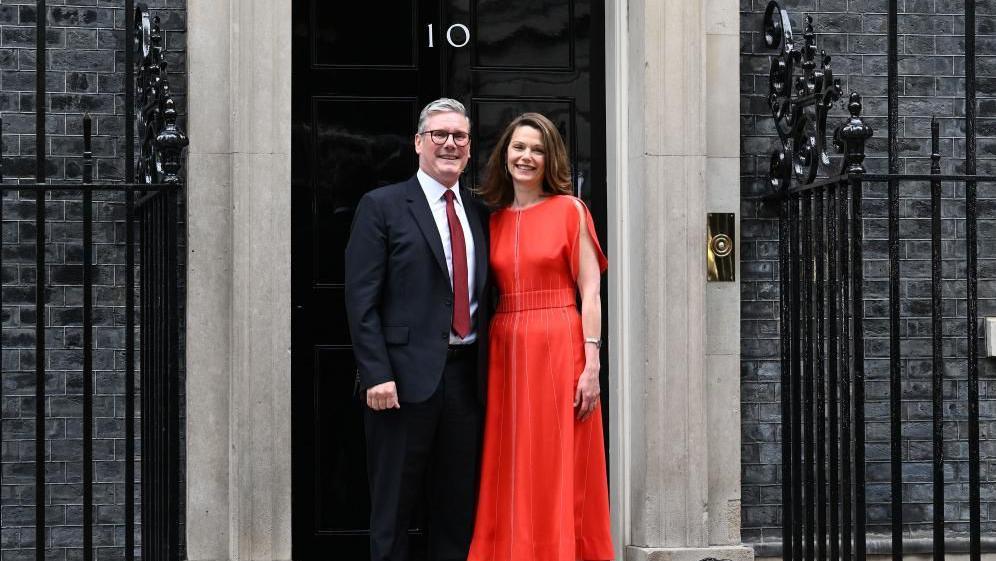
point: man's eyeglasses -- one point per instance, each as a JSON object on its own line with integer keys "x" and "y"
{"x": 440, "y": 137}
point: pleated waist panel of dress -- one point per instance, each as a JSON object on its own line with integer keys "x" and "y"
{"x": 536, "y": 300}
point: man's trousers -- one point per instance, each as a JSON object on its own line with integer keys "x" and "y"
{"x": 427, "y": 451}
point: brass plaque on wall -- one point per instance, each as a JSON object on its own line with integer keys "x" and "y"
{"x": 721, "y": 254}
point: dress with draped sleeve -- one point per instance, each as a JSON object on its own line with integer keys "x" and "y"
{"x": 544, "y": 492}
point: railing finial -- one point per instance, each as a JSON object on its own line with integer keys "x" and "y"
{"x": 170, "y": 143}
{"x": 851, "y": 136}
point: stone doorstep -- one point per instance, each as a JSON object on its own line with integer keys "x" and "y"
{"x": 715, "y": 553}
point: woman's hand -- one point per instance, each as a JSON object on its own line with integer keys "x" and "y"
{"x": 586, "y": 394}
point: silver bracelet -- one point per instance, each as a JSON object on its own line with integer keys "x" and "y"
{"x": 594, "y": 341}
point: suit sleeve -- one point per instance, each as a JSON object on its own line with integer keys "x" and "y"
{"x": 366, "y": 268}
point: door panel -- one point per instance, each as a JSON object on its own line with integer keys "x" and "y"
{"x": 356, "y": 34}
{"x": 352, "y": 153}
{"x": 361, "y": 73}
{"x": 341, "y": 455}
{"x": 522, "y": 34}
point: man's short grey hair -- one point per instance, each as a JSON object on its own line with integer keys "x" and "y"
{"x": 441, "y": 105}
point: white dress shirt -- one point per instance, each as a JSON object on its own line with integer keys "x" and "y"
{"x": 435, "y": 195}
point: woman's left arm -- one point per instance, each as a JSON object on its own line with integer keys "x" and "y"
{"x": 589, "y": 285}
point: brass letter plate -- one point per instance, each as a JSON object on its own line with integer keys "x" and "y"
{"x": 721, "y": 254}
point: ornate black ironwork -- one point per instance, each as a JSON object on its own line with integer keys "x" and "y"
{"x": 833, "y": 204}
{"x": 159, "y": 161}
{"x": 162, "y": 141}
{"x": 800, "y": 104}
{"x": 819, "y": 243}
{"x": 151, "y": 236}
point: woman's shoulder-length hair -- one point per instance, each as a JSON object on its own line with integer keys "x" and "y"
{"x": 497, "y": 190}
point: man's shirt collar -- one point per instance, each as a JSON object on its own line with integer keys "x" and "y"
{"x": 435, "y": 190}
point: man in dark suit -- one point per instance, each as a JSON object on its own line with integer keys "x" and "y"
{"x": 416, "y": 266}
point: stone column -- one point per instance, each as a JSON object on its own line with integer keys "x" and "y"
{"x": 676, "y": 343}
{"x": 209, "y": 281}
{"x": 238, "y": 306}
{"x": 722, "y": 112}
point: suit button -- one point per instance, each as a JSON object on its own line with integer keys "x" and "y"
{"x": 449, "y": 302}
{"x": 446, "y": 335}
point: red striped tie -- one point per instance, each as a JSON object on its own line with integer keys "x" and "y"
{"x": 461, "y": 300}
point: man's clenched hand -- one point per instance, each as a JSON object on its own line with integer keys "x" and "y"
{"x": 383, "y": 396}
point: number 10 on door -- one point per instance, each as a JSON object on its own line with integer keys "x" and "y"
{"x": 462, "y": 32}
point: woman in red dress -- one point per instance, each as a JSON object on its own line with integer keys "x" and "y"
{"x": 544, "y": 492}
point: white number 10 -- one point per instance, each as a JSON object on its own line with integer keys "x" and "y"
{"x": 449, "y": 35}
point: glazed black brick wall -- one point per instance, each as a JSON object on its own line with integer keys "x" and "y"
{"x": 931, "y": 64}
{"x": 85, "y": 73}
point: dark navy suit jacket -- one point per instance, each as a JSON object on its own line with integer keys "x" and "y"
{"x": 398, "y": 295}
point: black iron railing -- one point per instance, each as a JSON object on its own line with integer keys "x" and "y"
{"x": 822, "y": 276}
{"x": 150, "y": 203}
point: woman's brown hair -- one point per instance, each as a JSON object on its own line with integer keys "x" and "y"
{"x": 497, "y": 190}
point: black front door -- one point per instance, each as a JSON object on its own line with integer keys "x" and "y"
{"x": 362, "y": 71}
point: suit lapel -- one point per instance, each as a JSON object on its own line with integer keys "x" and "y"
{"x": 480, "y": 242}
{"x": 420, "y": 210}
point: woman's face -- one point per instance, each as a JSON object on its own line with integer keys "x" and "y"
{"x": 526, "y": 156}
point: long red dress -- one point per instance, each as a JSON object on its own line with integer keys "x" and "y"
{"x": 544, "y": 493}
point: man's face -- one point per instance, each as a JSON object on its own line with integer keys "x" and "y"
{"x": 443, "y": 162}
